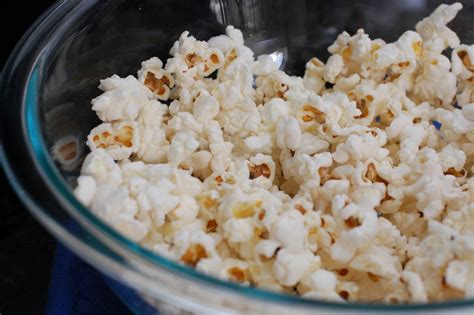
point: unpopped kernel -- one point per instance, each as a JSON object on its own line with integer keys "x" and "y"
{"x": 357, "y": 190}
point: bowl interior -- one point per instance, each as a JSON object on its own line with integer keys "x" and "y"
{"x": 102, "y": 38}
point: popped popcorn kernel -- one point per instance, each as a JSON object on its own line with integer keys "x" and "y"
{"x": 236, "y": 274}
{"x": 194, "y": 254}
{"x": 351, "y": 183}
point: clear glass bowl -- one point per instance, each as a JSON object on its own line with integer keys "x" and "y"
{"x": 53, "y": 74}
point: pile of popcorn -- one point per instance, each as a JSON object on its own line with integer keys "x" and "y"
{"x": 352, "y": 183}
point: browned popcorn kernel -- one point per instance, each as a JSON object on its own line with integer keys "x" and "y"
{"x": 373, "y": 277}
{"x": 219, "y": 180}
{"x": 194, "y": 254}
{"x": 343, "y": 272}
{"x": 211, "y": 226}
{"x": 123, "y": 137}
{"x": 236, "y": 274}
{"x": 160, "y": 87}
{"x": 344, "y": 294}
{"x": 259, "y": 170}
{"x": 192, "y": 59}
{"x": 352, "y": 222}
{"x": 324, "y": 174}
{"x": 372, "y": 175}
{"x": 466, "y": 60}
{"x": 184, "y": 167}
{"x": 404, "y": 64}
{"x": 301, "y": 209}
{"x": 313, "y": 114}
{"x": 453, "y": 172}
{"x": 346, "y": 54}
{"x": 391, "y": 77}
{"x": 214, "y": 58}
{"x": 261, "y": 233}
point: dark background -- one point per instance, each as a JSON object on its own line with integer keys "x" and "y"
{"x": 26, "y": 249}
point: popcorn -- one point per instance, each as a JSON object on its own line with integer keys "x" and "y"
{"x": 238, "y": 230}
{"x": 333, "y": 68}
{"x": 156, "y": 79}
{"x": 122, "y": 98}
{"x": 288, "y": 134}
{"x": 434, "y": 31}
{"x": 314, "y": 75}
{"x": 120, "y": 139}
{"x": 262, "y": 170}
{"x": 289, "y": 267}
{"x": 85, "y": 190}
{"x": 360, "y": 190}
{"x": 113, "y": 204}
{"x": 101, "y": 167}
{"x": 415, "y": 286}
{"x": 205, "y": 108}
{"x": 182, "y": 146}
{"x": 457, "y": 274}
{"x": 289, "y": 230}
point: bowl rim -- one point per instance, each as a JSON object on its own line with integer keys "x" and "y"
{"x": 63, "y": 193}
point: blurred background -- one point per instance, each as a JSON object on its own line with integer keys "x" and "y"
{"x": 26, "y": 249}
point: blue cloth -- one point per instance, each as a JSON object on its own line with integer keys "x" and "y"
{"x": 76, "y": 288}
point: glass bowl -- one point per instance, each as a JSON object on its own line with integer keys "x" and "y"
{"x": 46, "y": 115}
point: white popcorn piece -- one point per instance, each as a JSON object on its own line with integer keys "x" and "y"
{"x": 101, "y": 167}
{"x": 264, "y": 65}
{"x": 450, "y": 157}
{"x": 314, "y": 75}
{"x": 289, "y": 230}
{"x": 288, "y": 134}
{"x": 323, "y": 281}
{"x": 186, "y": 211}
{"x": 85, "y": 190}
{"x": 290, "y": 267}
{"x": 457, "y": 274}
{"x": 119, "y": 139}
{"x": 153, "y": 146}
{"x": 238, "y": 230}
{"x": 273, "y": 110}
{"x": 261, "y": 143}
{"x": 113, "y": 204}
{"x": 415, "y": 286}
{"x": 333, "y": 68}
{"x": 266, "y": 249}
{"x": 205, "y": 108}
{"x": 233, "y": 38}
{"x": 157, "y": 200}
{"x": 468, "y": 111}
{"x": 122, "y": 98}
{"x": 182, "y": 146}
{"x": 158, "y": 81}
{"x": 433, "y": 29}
